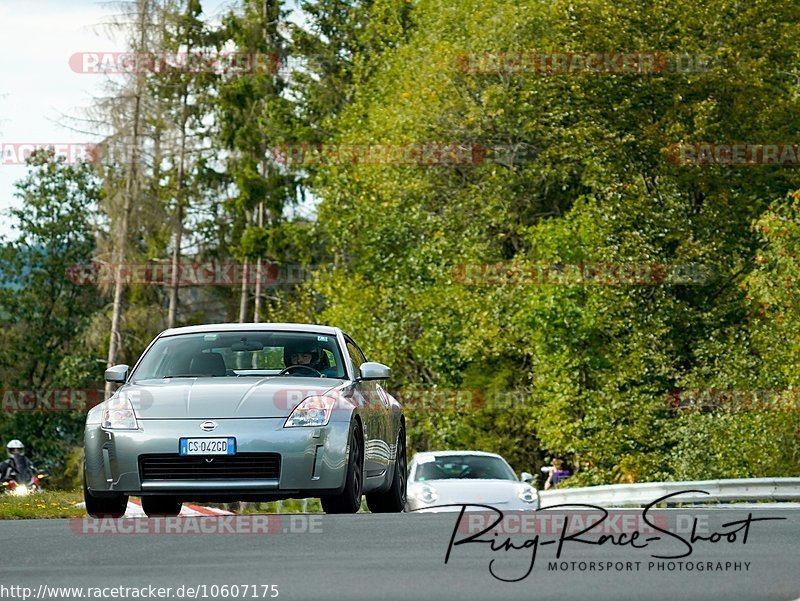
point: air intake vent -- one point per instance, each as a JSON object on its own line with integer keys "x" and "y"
{"x": 244, "y": 466}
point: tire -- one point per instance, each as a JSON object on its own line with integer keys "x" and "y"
{"x": 104, "y": 507}
{"x": 156, "y": 507}
{"x": 349, "y": 500}
{"x": 394, "y": 499}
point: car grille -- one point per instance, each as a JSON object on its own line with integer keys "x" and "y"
{"x": 243, "y": 466}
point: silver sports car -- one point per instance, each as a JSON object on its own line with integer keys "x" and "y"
{"x": 230, "y": 412}
{"x": 446, "y": 480}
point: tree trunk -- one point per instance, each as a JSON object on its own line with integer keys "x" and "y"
{"x": 245, "y": 290}
{"x": 258, "y": 301}
{"x": 176, "y": 262}
{"x": 178, "y": 236}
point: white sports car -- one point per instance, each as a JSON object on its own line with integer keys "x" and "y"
{"x": 446, "y": 480}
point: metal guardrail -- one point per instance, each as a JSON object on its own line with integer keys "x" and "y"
{"x": 644, "y": 493}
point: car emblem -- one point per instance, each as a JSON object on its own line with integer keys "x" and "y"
{"x": 209, "y": 460}
{"x": 208, "y": 426}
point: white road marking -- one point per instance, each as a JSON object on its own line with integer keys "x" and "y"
{"x": 135, "y": 510}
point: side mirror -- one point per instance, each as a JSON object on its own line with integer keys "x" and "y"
{"x": 526, "y": 477}
{"x": 117, "y": 374}
{"x": 374, "y": 371}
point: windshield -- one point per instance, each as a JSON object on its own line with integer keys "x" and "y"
{"x": 239, "y": 354}
{"x": 462, "y": 467}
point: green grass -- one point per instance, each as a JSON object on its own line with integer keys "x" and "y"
{"x": 48, "y": 504}
{"x": 288, "y": 506}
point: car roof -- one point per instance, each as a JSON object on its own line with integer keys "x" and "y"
{"x": 252, "y": 327}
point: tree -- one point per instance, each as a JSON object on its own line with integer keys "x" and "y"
{"x": 124, "y": 179}
{"x": 47, "y": 304}
{"x": 254, "y": 116}
{"x": 183, "y": 93}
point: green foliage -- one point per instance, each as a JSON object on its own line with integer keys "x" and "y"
{"x": 41, "y": 348}
{"x": 71, "y": 476}
{"x": 253, "y": 117}
{"x": 599, "y": 361}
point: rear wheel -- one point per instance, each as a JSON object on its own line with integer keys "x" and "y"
{"x": 161, "y": 506}
{"x": 349, "y": 500}
{"x": 394, "y": 499}
{"x": 104, "y": 507}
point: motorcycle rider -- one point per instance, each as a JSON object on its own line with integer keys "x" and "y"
{"x": 17, "y": 467}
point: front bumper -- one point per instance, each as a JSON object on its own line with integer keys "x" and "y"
{"x": 419, "y": 506}
{"x": 312, "y": 460}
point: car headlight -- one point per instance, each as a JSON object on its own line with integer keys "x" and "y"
{"x": 118, "y": 414}
{"x": 425, "y": 493}
{"x": 526, "y": 494}
{"x": 313, "y": 411}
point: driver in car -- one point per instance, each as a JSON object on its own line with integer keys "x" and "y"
{"x": 306, "y": 352}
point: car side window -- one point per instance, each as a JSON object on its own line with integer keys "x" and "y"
{"x": 356, "y": 356}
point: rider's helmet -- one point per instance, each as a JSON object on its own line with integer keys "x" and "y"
{"x": 15, "y": 447}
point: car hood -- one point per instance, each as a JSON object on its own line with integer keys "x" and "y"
{"x": 486, "y": 492}
{"x": 221, "y": 398}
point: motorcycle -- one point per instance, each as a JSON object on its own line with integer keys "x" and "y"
{"x": 19, "y": 486}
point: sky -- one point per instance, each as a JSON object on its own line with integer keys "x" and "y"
{"x": 41, "y": 97}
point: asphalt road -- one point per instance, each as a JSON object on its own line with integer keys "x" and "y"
{"x": 402, "y": 556}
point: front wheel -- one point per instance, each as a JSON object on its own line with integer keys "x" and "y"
{"x": 349, "y": 500}
{"x": 394, "y": 499}
{"x": 104, "y": 507}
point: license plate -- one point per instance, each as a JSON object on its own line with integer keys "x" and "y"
{"x": 207, "y": 446}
